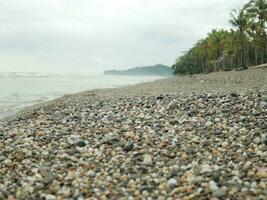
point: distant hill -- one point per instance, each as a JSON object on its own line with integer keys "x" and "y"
{"x": 156, "y": 70}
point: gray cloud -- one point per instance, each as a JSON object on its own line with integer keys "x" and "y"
{"x": 94, "y": 35}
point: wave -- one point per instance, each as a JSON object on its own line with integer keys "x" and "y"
{"x": 8, "y": 108}
{"x": 45, "y": 75}
{"x": 22, "y": 74}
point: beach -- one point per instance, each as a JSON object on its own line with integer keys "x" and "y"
{"x": 44, "y": 87}
{"x": 185, "y": 137}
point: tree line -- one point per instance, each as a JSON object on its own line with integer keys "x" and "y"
{"x": 243, "y": 46}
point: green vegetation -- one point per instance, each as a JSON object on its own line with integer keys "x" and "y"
{"x": 243, "y": 46}
{"x": 156, "y": 70}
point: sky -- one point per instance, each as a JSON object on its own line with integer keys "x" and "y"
{"x": 90, "y": 36}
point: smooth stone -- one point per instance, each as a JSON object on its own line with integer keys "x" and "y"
{"x": 3, "y": 193}
{"x": 110, "y": 140}
{"x": 174, "y": 170}
{"x": 172, "y": 106}
{"x": 2, "y": 196}
{"x": 213, "y": 186}
{"x": 80, "y": 143}
{"x": 262, "y": 173}
{"x": 247, "y": 165}
{"x": 216, "y": 176}
{"x": 49, "y": 197}
{"x": 208, "y": 124}
{"x": 72, "y": 139}
{"x": 128, "y": 146}
{"x": 257, "y": 140}
{"x": 206, "y": 168}
{"x": 198, "y": 180}
{"x": 22, "y": 193}
{"x": 220, "y": 193}
{"x": 171, "y": 183}
{"x": 147, "y": 160}
{"x": 79, "y": 197}
{"x": 264, "y": 98}
{"x": 233, "y": 94}
{"x": 254, "y": 185}
{"x": 191, "y": 150}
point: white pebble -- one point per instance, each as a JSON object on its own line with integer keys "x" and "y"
{"x": 50, "y": 197}
{"x": 213, "y": 186}
{"x": 147, "y": 160}
{"x": 208, "y": 124}
{"x": 172, "y": 183}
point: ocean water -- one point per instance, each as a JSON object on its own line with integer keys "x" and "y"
{"x": 20, "y": 90}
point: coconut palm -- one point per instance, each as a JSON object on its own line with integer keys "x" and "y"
{"x": 241, "y": 22}
{"x": 257, "y": 10}
{"x": 244, "y": 45}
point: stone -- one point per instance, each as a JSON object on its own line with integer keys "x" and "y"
{"x": 206, "y": 168}
{"x": 247, "y": 165}
{"x": 219, "y": 193}
{"x": 110, "y": 139}
{"x": 80, "y": 143}
{"x": 257, "y": 140}
{"x": 123, "y": 145}
{"x": 160, "y": 97}
{"x": 22, "y": 193}
{"x": 171, "y": 183}
{"x": 213, "y": 186}
{"x": 2, "y": 196}
{"x": 128, "y": 146}
{"x": 262, "y": 173}
{"x": 50, "y": 197}
{"x": 233, "y": 94}
{"x": 147, "y": 160}
{"x": 172, "y": 106}
{"x": 208, "y": 124}
{"x": 174, "y": 170}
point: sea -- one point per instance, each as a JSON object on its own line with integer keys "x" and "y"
{"x": 20, "y": 90}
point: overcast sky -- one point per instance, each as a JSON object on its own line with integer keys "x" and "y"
{"x": 88, "y": 36}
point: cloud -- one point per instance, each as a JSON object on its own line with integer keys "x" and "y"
{"x": 93, "y": 35}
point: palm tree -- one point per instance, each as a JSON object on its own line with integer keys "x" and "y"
{"x": 240, "y": 21}
{"x": 218, "y": 39}
{"x": 257, "y": 10}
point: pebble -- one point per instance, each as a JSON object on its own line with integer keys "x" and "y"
{"x": 128, "y": 146}
{"x": 22, "y": 193}
{"x": 110, "y": 139}
{"x": 257, "y": 140}
{"x": 147, "y": 160}
{"x": 262, "y": 173}
{"x": 206, "y": 168}
{"x": 208, "y": 124}
{"x": 50, "y": 197}
{"x": 213, "y": 186}
{"x": 219, "y": 193}
{"x": 2, "y": 196}
{"x": 149, "y": 141}
{"x": 80, "y": 143}
{"x": 174, "y": 170}
{"x": 172, "y": 183}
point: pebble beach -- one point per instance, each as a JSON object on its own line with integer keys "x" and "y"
{"x": 185, "y": 137}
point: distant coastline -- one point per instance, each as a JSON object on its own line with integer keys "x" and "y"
{"x": 156, "y": 70}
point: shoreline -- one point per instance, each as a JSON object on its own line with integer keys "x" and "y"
{"x": 33, "y": 106}
{"x": 190, "y": 79}
{"x": 198, "y": 78}
{"x": 186, "y": 137}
